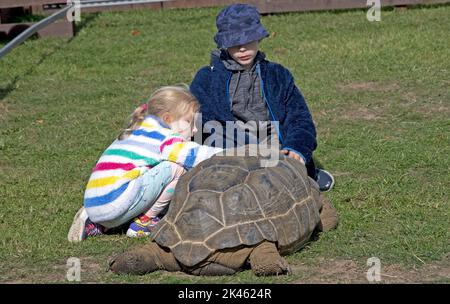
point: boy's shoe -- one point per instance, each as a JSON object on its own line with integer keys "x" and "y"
{"x": 325, "y": 180}
{"x": 82, "y": 227}
{"x": 142, "y": 226}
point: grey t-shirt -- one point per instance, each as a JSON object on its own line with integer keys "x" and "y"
{"x": 246, "y": 100}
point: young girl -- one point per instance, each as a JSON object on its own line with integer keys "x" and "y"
{"x": 136, "y": 176}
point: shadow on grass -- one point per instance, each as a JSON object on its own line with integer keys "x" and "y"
{"x": 85, "y": 21}
{"x": 9, "y": 88}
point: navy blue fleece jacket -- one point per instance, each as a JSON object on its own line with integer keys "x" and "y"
{"x": 283, "y": 99}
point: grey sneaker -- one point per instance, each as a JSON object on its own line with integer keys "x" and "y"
{"x": 82, "y": 227}
{"x": 325, "y": 180}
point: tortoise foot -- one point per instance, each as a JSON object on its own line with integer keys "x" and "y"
{"x": 265, "y": 260}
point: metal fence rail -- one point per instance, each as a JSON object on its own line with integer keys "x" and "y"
{"x": 62, "y": 13}
{"x": 33, "y": 29}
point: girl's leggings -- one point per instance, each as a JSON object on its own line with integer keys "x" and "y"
{"x": 158, "y": 187}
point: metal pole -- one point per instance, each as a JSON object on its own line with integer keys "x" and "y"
{"x": 63, "y": 12}
{"x": 100, "y": 3}
{"x": 33, "y": 29}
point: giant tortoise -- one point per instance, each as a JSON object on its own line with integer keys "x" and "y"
{"x": 232, "y": 212}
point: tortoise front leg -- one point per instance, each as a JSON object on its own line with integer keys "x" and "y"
{"x": 265, "y": 260}
{"x": 144, "y": 259}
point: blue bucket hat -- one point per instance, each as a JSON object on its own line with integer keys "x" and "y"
{"x": 238, "y": 24}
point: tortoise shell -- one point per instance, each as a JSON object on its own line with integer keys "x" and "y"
{"x": 230, "y": 202}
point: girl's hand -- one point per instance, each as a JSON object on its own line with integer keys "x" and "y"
{"x": 293, "y": 155}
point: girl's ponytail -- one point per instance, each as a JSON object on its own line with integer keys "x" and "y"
{"x": 137, "y": 118}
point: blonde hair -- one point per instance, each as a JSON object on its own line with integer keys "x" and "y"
{"x": 175, "y": 100}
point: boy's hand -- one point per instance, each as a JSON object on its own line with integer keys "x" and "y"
{"x": 293, "y": 155}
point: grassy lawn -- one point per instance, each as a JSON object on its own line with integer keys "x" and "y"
{"x": 378, "y": 91}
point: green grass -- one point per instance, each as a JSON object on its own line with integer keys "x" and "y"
{"x": 379, "y": 93}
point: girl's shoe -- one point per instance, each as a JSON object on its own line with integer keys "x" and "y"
{"x": 142, "y": 226}
{"x": 82, "y": 227}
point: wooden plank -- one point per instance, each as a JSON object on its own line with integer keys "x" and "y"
{"x": 7, "y": 14}
{"x": 61, "y": 28}
{"x": 125, "y": 7}
{"x": 4, "y": 15}
{"x": 40, "y": 3}
{"x": 22, "y": 3}
{"x": 11, "y": 30}
{"x": 198, "y": 3}
{"x": 411, "y": 2}
{"x": 264, "y": 6}
{"x": 37, "y": 9}
{"x": 308, "y": 5}
{"x": 278, "y": 6}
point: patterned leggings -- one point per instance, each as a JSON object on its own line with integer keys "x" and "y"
{"x": 166, "y": 196}
{"x": 158, "y": 185}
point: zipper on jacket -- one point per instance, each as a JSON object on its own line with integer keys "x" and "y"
{"x": 258, "y": 69}
{"x": 229, "y": 101}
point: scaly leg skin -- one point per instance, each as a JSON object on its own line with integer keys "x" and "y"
{"x": 265, "y": 260}
{"x": 144, "y": 259}
{"x": 328, "y": 215}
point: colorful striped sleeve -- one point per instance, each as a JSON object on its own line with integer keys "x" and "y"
{"x": 186, "y": 153}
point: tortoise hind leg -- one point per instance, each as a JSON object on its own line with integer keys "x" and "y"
{"x": 328, "y": 215}
{"x": 144, "y": 259}
{"x": 265, "y": 260}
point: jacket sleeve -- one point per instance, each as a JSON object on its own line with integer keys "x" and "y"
{"x": 299, "y": 125}
{"x": 197, "y": 85}
{"x": 185, "y": 153}
{"x": 200, "y": 88}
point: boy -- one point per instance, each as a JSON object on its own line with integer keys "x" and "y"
{"x": 240, "y": 85}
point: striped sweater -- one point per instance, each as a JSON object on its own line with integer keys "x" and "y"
{"x": 114, "y": 183}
